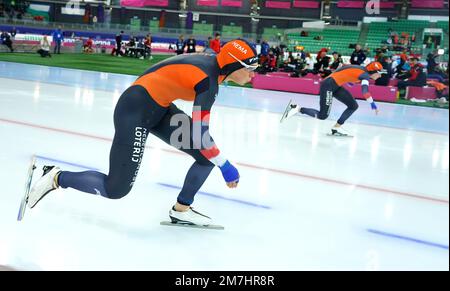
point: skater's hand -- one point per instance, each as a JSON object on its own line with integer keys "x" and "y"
{"x": 374, "y": 107}
{"x": 232, "y": 184}
{"x": 230, "y": 174}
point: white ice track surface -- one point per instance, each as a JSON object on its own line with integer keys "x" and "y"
{"x": 378, "y": 201}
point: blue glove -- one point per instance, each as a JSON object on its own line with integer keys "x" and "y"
{"x": 229, "y": 172}
{"x": 373, "y": 105}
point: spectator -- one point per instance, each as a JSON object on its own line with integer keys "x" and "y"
{"x": 277, "y": 52}
{"x": 322, "y": 60}
{"x": 140, "y": 49}
{"x": 431, "y": 62}
{"x": 416, "y": 77}
{"x": 337, "y": 61}
{"x": 130, "y": 47}
{"x": 433, "y": 69}
{"x": 191, "y": 45}
{"x": 13, "y": 33}
{"x": 264, "y": 52}
{"x": 270, "y": 64}
{"x": 148, "y": 46}
{"x": 215, "y": 43}
{"x": 322, "y": 65}
{"x": 207, "y": 48}
{"x": 44, "y": 51}
{"x": 304, "y": 33}
{"x": 358, "y": 57}
{"x": 119, "y": 37}
{"x": 290, "y": 64}
{"x": 88, "y": 46}
{"x": 429, "y": 42}
{"x": 58, "y": 38}
{"x": 321, "y": 54}
{"x": 6, "y": 40}
{"x": 318, "y": 37}
{"x": 385, "y": 61}
{"x": 389, "y": 40}
{"x": 180, "y": 45}
{"x": 413, "y": 37}
{"x": 306, "y": 67}
{"x": 403, "y": 61}
{"x": 396, "y": 39}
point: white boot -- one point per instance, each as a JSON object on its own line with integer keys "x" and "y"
{"x": 44, "y": 185}
{"x": 291, "y": 110}
{"x": 189, "y": 217}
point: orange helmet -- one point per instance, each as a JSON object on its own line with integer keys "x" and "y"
{"x": 375, "y": 67}
{"x": 235, "y": 55}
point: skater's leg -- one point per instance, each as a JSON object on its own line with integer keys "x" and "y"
{"x": 194, "y": 180}
{"x": 135, "y": 113}
{"x": 345, "y": 97}
{"x": 326, "y": 99}
{"x": 309, "y": 111}
{"x": 200, "y": 170}
{"x": 89, "y": 182}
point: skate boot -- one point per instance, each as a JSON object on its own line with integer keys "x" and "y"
{"x": 291, "y": 110}
{"x": 339, "y": 131}
{"x": 189, "y": 217}
{"x": 44, "y": 185}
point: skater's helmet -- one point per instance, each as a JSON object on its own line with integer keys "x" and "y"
{"x": 375, "y": 67}
{"x": 237, "y": 54}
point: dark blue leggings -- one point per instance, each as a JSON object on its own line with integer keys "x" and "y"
{"x": 135, "y": 117}
{"x": 328, "y": 90}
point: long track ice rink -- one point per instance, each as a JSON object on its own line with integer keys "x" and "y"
{"x": 306, "y": 201}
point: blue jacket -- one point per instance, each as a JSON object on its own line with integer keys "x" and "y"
{"x": 265, "y": 49}
{"x": 58, "y": 36}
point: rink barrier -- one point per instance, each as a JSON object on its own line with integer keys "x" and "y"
{"x": 423, "y": 93}
{"x": 310, "y": 84}
{"x": 287, "y": 84}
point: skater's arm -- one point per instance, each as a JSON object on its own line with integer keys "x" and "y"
{"x": 206, "y": 94}
{"x": 200, "y": 122}
{"x": 365, "y": 91}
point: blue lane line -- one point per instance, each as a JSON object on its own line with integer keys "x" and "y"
{"x": 392, "y": 235}
{"x": 66, "y": 163}
{"x": 220, "y": 197}
{"x": 162, "y": 184}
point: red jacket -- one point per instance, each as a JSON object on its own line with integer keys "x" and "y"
{"x": 215, "y": 45}
{"x": 415, "y": 71}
